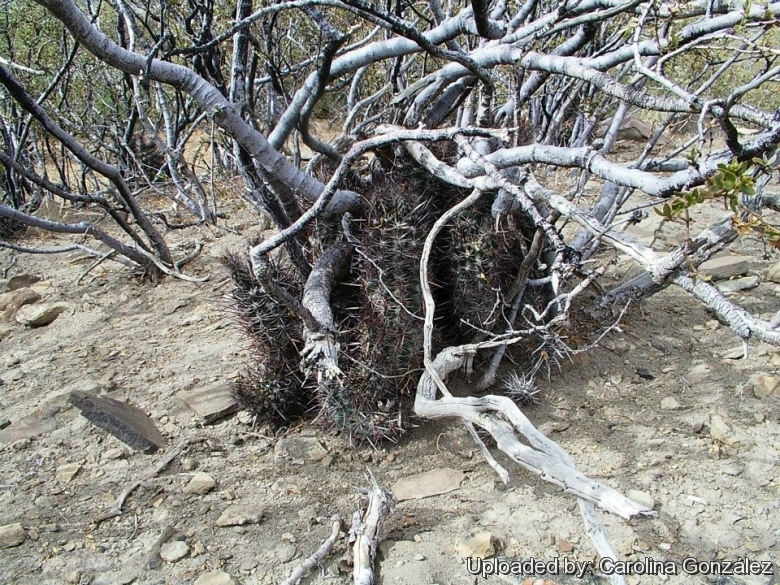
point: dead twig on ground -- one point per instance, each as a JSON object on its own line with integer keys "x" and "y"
{"x": 116, "y": 509}
{"x": 306, "y": 566}
{"x": 95, "y": 264}
{"x": 365, "y": 531}
{"x": 154, "y": 561}
{"x": 11, "y": 264}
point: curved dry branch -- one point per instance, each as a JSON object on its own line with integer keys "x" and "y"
{"x": 111, "y": 172}
{"x": 492, "y": 413}
{"x": 322, "y": 348}
{"x": 281, "y": 173}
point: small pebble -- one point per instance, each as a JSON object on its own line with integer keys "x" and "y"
{"x": 214, "y": 578}
{"x": 116, "y": 453}
{"x": 669, "y": 403}
{"x": 174, "y": 551}
{"x": 201, "y": 483}
{"x": 11, "y": 535}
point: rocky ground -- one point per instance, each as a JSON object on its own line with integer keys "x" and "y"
{"x": 664, "y": 410}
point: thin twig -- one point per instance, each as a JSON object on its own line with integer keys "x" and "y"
{"x": 430, "y": 304}
{"x": 306, "y": 566}
{"x": 116, "y": 509}
{"x": 95, "y": 264}
{"x": 156, "y": 261}
{"x": 11, "y": 264}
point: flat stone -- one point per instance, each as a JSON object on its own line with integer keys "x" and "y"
{"x": 201, "y": 483}
{"x": 116, "y": 453}
{"x": 5, "y": 331}
{"x": 240, "y": 514}
{"x": 11, "y": 302}
{"x": 11, "y": 535}
{"x": 551, "y": 427}
{"x": 735, "y": 353}
{"x": 476, "y": 545}
{"x": 214, "y": 578}
{"x": 43, "y": 288}
{"x": 721, "y": 429}
{"x": 733, "y": 469}
{"x": 738, "y": 284}
{"x": 294, "y": 448}
{"x": 174, "y": 551}
{"x": 641, "y": 498}
{"x": 772, "y": 274}
{"x": 38, "y": 422}
{"x": 66, "y": 473}
{"x": 699, "y": 373}
{"x": 565, "y": 546}
{"x": 725, "y": 267}
{"x": 211, "y": 403}
{"x": 127, "y": 423}
{"x": 40, "y": 315}
{"x": 670, "y": 403}
{"x": 427, "y": 484}
{"x": 21, "y": 281}
{"x": 764, "y": 385}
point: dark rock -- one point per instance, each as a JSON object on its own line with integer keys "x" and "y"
{"x": 127, "y": 423}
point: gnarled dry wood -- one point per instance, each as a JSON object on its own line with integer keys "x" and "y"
{"x": 543, "y": 459}
{"x": 322, "y": 348}
{"x": 306, "y": 566}
{"x": 365, "y": 531}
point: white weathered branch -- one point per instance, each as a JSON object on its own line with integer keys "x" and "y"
{"x": 492, "y": 413}
{"x": 306, "y": 566}
{"x": 322, "y": 349}
{"x": 365, "y": 531}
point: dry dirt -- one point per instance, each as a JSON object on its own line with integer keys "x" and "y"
{"x": 709, "y": 458}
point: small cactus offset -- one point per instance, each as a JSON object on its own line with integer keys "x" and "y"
{"x": 486, "y": 257}
{"x": 522, "y": 388}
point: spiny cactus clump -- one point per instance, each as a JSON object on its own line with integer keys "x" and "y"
{"x": 272, "y": 386}
{"x": 381, "y": 332}
{"x": 379, "y": 308}
{"x": 522, "y": 388}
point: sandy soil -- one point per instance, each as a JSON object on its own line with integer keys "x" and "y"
{"x": 708, "y": 458}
